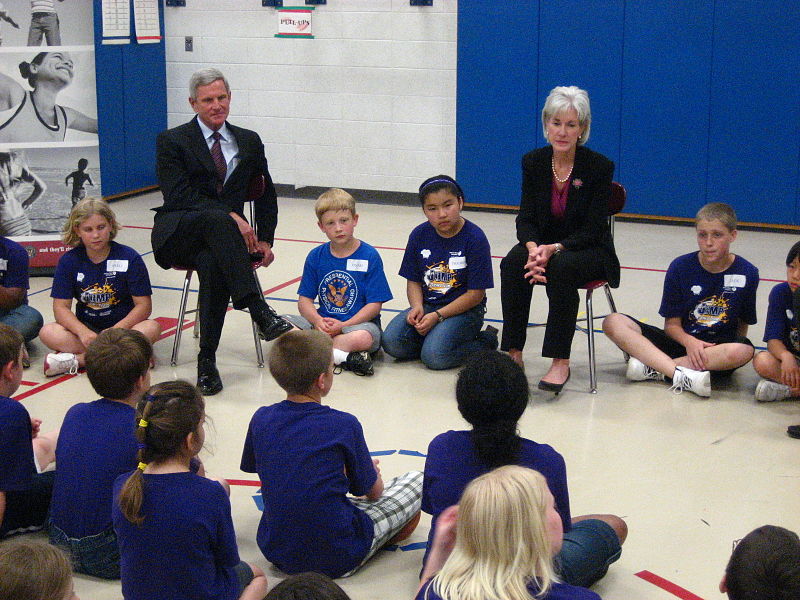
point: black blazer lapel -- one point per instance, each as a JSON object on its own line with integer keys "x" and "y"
{"x": 199, "y": 147}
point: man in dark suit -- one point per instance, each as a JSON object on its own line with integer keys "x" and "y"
{"x": 205, "y": 168}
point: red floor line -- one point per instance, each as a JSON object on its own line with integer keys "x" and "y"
{"x": 246, "y": 482}
{"x": 42, "y": 387}
{"x": 668, "y": 586}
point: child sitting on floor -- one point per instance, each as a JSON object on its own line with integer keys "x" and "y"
{"x": 347, "y": 276}
{"x": 96, "y": 445}
{"x": 25, "y": 490}
{"x": 708, "y": 301}
{"x": 34, "y": 570}
{"x": 492, "y": 393}
{"x": 308, "y": 457}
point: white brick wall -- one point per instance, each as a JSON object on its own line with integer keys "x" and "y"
{"x": 369, "y": 103}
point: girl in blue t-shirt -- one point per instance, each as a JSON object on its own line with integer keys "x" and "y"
{"x": 174, "y": 527}
{"x": 109, "y": 281}
{"x": 780, "y": 364}
{"x": 448, "y": 268}
{"x": 499, "y": 542}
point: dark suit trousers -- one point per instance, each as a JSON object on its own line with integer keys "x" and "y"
{"x": 210, "y": 242}
{"x": 566, "y": 272}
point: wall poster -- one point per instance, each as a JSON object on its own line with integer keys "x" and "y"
{"x": 49, "y": 151}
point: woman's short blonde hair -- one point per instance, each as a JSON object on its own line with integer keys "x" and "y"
{"x": 334, "y": 199}
{"x": 501, "y": 539}
{"x": 82, "y": 211}
{"x": 563, "y": 98}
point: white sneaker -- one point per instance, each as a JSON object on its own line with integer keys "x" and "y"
{"x": 769, "y": 391}
{"x": 698, "y": 382}
{"x": 638, "y": 371}
{"x": 60, "y": 363}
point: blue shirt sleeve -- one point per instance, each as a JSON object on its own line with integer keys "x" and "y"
{"x": 16, "y": 275}
{"x": 225, "y": 550}
{"x": 63, "y": 278}
{"x": 749, "y": 314}
{"x": 138, "y": 277}
{"x": 410, "y": 268}
{"x": 671, "y": 301}
{"x": 775, "y": 328}
{"x": 479, "y": 262}
{"x": 358, "y": 463}
{"x": 377, "y": 287}
{"x": 248, "y": 464}
{"x": 16, "y": 450}
{"x": 310, "y": 279}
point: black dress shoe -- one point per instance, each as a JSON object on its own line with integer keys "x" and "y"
{"x": 270, "y": 325}
{"x": 208, "y": 379}
{"x": 553, "y": 387}
{"x": 793, "y": 431}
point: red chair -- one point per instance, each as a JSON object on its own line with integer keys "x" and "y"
{"x": 615, "y": 205}
{"x": 255, "y": 191}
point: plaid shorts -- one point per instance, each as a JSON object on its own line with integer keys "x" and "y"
{"x": 401, "y": 500}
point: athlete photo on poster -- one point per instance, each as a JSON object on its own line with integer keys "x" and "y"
{"x": 47, "y": 97}
{"x": 46, "y": 22}
{"x": 39, "y": 187}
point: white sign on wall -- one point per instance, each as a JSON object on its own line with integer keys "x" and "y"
{"x": 294, "y": 22}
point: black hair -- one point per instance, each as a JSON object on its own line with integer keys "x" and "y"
{"x": 765, "y": 565}
{"x": 492, "y": 393}
{"x": 83, "y": 163}
{"x": 307, "y": 586}
{"x": 794, "y": 252}
{"x": 25, "y": 67}
{"x": 439, "y": 182}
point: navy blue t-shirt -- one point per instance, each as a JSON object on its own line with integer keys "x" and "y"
{"x": 186, "y": 547}
{"x": 447, "y": 267}
{"x": 104, "y": 291}
{"x": 780, "y": 321}
{"x": 344, "y": 285}
{"x": 452, "y": 463}
{"x": 557, "y": 591}
{"x": 710, "y": 305}
{"x": 17, "y": 467}
{"x": 308, "y": 457}
{"x": 13, "y": 265}
{"x": 96, "y": 445}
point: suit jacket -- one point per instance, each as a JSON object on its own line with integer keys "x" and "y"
{"x": 585, "y": 222}
{"x": 188, "y": 179}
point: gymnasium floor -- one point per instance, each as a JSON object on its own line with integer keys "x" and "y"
{"x": 688, "y": 475}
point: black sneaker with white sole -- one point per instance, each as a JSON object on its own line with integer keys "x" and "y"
{"x": 359, "y": 363}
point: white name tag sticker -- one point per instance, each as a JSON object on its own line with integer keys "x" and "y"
{"x": 357, "y": 264}
{"x": 457, "y": 262}
{"x": 120, "y": 266}
{"x": 735, "y": 281}
{"x": 79, "y": 277}
{"x": 3, "y": 264}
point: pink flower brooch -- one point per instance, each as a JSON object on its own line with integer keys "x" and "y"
{"x": 577, "y": 183}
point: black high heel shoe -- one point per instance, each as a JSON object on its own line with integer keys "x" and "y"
{"x": 554, "y": 387}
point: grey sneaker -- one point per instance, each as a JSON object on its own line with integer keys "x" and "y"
{"x": 697, "y": 382}
{"x": 770, "y": 391}
{"x": 60, "y": 363}
{"x": 359, "y": 363}
{"x": 638, "y": 371}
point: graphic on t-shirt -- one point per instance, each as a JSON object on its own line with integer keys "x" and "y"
{"x": 439, "y": 278}
{"x": 338, "y": 292}
{"x": 99, "y": 297}
{"x": 711, "y": 311}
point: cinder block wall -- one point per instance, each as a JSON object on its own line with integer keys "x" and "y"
{"x": 368, "y": 103}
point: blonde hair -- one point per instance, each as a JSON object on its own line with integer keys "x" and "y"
{"x": 718, "y": 211}
{"x": 32, "y": 570}
{"x": 298, "y": 358}
{"x": 82, "y": 211}
{"x": 334, "y": 199}
{"x": 501, "y": 539}
{"x": 561, "y": 99}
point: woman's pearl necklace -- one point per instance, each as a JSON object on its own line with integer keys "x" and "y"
{"x": 558, "y": 179}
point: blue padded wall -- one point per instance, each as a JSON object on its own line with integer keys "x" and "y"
{"x": 695, "y": 101}
{"x": 131, "y": 108}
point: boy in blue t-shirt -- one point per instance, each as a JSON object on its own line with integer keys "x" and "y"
{"x": 448, "y": 268}
{"x": 780, "y": 364}
{"x": 24, "y": 452}
{"x": 308, "y": 458}
{"x": 96, "y": 445}
{"x": 14, "y": 308}
{"x": 709, "y": 299}
{"x": 347, "y": 276}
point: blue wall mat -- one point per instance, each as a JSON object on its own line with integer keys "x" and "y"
{"x": 665, "y": 106}
{"x": 755, "y": 110}
{"x": 580, "y": 43}
{"x": 131, "y": 108}
{"x": 496, "y": 103}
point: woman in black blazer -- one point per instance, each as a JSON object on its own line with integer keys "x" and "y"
{"x": 562, "y": 228}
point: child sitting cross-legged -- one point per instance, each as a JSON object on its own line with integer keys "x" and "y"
{"x": 308, "y": 457}
{"x": 347, "y": 276}
{"x": 97, "y": 444}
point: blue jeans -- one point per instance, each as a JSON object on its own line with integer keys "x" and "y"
{"x": 589, "y": 547}
{"x": 95, "y": 555}
{"x": 447, "y": 345}
{"x": 25, "y": 319}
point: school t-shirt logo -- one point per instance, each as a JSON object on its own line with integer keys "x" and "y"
{"x": 338, "y": 292}
{"x": 99, "y": 297}
{"x": 439, "y": 278}
{"x": 711, "y": 311}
